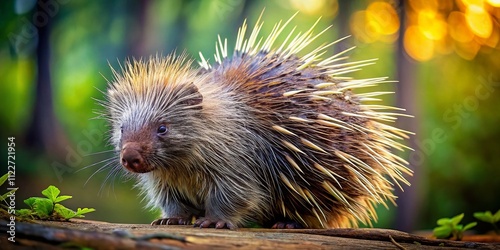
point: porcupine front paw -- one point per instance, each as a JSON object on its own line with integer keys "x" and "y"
{"x": 287, "y": 225}
{"x": 172, "y": 221}
{"x": 218, "y": 224}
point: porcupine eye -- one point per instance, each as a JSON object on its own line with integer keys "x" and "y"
{"x": 162, "y": 130}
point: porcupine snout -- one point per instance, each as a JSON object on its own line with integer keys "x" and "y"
{"x": 131, "y": 158}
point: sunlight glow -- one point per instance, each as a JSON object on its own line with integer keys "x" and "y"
{"x": 479, "y": 20}
{"x": 417, "y": 45}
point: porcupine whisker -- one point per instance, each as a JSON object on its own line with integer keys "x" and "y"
{"x": 100, "y": 152}
{"x": 107, "y": 163}
{"x": 115, "y": 171}
{"x": 111, "y": 159}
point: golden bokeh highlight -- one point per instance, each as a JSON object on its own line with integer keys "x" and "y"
{"x": 383, "y": 18}
{"x": 428, "y": 5}
{"x": 379, "y": 22}
{"x": 467, "y": 50}
{"x": 492, "y": 40}
{"x": 479, "y": 20}
{"x": 444, "y": 46}
{"x": 494, "y": 3}
{"x": 458, "y": 27}
{"x": 433, "y": 27}
{"x": 362, "y": 29}
{"x": 417, "y": 44}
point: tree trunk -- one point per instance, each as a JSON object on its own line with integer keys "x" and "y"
{"x": 139, "y": 27}
{"x": 406, "y": 89}
{"x": 45, "y": 132}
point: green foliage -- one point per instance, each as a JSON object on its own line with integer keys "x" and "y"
{"x": 449, "y": 227}
{"x": 49, "y": 208}
{"x": 24, "y": 213}
{"x": 3, "y": 198}
{"x": 42, "y": 207}
{"x": 488, "y": 217}
{"x": 4, "y": 178}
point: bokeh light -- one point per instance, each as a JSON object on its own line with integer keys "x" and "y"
{"x": 379, "y": 22}
{"x": 479, "y": 20}
{"x": 417, "y": 44}
{"x": 458, "y": 28}
{"x": 495, "y": 3}
{"x": 433, "y": 27}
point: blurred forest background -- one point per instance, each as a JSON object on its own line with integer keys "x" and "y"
{"x": 55, "y": 57}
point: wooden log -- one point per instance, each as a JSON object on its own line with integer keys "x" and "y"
{"x": 102, "y": 235}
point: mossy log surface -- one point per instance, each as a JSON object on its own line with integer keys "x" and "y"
{"x": 102, "y": 235}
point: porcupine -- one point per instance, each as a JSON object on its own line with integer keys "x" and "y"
{"x": 265, "y": 136}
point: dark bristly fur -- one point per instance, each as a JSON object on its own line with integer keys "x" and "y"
{"x": 264, "y": 136}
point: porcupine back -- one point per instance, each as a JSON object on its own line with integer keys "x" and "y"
{"x": 330, "y": 158}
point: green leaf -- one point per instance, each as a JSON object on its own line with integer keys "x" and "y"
{"x": 484, "y": 216}
{"x": 442, "y": 232}
{"x": 496, "y": 217}
{"x": 81, "y": 211}
{"x": 31, "y": 201}
{"x": 64, "y": 212}
{"x": 24, "y": 212}
{"x": 444, "y": 221}
{"x": 85, "y": 210}
{"x": 62, "y": 198}
{"x": 4, "y": 178}
{"x": 4, "y": 196}
{"x": 470, "y": 225}
{"x": 455, "y": 220}
{"x": 51, "y": 192}
{"x": 43, "y": 207}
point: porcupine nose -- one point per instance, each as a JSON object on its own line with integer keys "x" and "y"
{"x": 131, "y": 157}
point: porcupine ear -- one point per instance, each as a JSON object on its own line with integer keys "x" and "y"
{"x": 193, "y": 96}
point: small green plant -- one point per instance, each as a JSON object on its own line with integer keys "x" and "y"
{"x": 49, "y": 207}
{"x": 4, "y": 198}
{"x": 488, "y": 217}
{"x": 449, "y": 227}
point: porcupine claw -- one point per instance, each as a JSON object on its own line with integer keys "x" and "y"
{"x": 218, "y": 224}
{"x": 286, "y": 225}
{"x": 171, "y": 221}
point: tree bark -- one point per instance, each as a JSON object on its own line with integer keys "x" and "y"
{"x": 44, "y": 131}
{"x": 102, "y": 235}
{"x": 139, "y": 27}
{"x": 406, "y": 91}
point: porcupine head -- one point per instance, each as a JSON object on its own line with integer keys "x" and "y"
{"x": 264, "y": 136}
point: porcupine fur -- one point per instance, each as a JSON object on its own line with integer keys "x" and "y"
{"x": 263, "y": 136}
